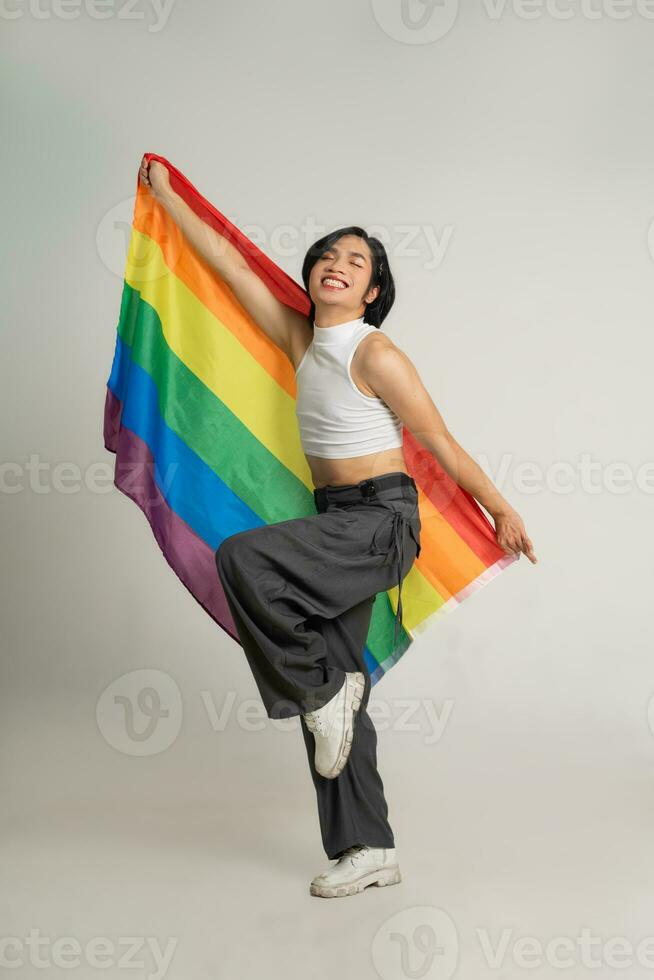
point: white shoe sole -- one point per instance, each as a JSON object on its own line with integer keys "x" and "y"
{"x": 354, "y": 688}
{"x": 382, "y": 877}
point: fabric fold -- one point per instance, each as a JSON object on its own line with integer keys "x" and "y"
{"x": 200, "y": 413}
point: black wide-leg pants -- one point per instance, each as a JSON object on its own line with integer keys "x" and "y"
{"x": 301, "y": 594}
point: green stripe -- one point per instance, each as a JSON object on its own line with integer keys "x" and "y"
{"x": 206, "y": 425}
{"x": 222, "y": 441}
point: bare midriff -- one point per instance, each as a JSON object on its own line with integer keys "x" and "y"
{"x": 338, "y": 472}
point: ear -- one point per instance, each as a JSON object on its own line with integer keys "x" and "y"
{"x": 372, "y": 294}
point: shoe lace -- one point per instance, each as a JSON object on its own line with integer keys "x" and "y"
{"x": 355, "y": 852}
{"x": 315, "y": 723}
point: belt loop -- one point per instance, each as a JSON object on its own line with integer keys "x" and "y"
{"x": 321, "y": 498}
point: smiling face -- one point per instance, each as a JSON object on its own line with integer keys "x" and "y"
{"x": 338, "y": 284}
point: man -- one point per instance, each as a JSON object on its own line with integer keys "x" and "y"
{"x": 301, "y": 591}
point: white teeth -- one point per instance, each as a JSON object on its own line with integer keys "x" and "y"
{"x": 334, "y": 282}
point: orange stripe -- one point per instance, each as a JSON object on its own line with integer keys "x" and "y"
{"x": 445, "y": 545}
{"x": 152, "y": 219}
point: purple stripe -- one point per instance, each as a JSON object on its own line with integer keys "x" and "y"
{"x": 189, "y": 556}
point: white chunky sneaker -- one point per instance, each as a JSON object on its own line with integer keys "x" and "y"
{"x": 358, "y": 867}
{"x": 333, "y": 725}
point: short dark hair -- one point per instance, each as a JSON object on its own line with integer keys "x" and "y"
{"x": 378, "y": 310}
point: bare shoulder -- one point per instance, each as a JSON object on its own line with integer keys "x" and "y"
{"x": 366, "y": 356}
{"x": 372, "y": 348}
{"x": 375, "y": 342}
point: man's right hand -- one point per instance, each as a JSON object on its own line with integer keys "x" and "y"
{"x": 154, "y": 175}
{"x": 288, "y": 329}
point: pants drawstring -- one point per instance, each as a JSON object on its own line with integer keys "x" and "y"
{"x": 398, "y": 520}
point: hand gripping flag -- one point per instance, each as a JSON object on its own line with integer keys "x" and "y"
{"x": 200, "y": 413}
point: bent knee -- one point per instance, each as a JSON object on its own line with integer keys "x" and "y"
{"x": 233, "y": 552}
{"x": 226, "y": 554}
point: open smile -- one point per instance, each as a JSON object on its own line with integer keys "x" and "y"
{"x": 332, "y": 282}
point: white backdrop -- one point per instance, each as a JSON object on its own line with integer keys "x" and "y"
{"x": 504, "y": 154}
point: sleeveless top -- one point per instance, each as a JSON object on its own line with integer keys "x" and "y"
{"x": 336, "y": 419}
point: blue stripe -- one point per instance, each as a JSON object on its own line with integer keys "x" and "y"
{"x": 190, "y": 487}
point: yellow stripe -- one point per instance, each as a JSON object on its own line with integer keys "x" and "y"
{"x": 419, "y": 598}
{"x": 457, "y": 562}
{"x": 213, "y": 354}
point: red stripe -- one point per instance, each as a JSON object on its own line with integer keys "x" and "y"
{"x": 457, "y": 505}
{"x": 280, "y": 284}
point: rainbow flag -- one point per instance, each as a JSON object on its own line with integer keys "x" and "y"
{"x": 200, "y": 413}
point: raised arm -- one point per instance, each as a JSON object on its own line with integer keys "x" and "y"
{"x": 394, "y": 378}
{"x": 283, "y": 325}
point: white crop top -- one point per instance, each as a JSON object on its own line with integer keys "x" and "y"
{"x": 336, "y": 419}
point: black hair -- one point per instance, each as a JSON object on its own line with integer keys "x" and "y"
{"x": 378, "y": 310}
